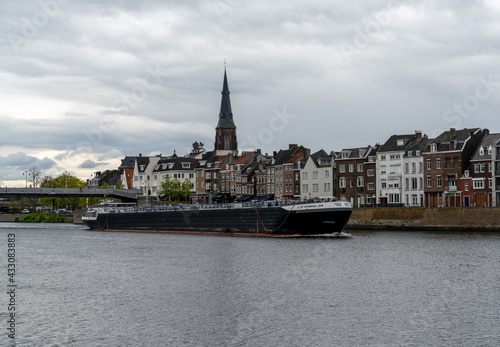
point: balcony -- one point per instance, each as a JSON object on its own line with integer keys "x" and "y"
{"x": 451, "y": 189}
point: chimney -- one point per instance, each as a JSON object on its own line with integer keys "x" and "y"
{"x": 258, "y": 150}
{"x": 418, "y": 134}
{"x": 486, "y": 132}
{"x": 140, "y": 154}
{"x": 452, "y": 145}
{"x": 290, "y": 146}
{"x": 453, "y": 133}
{"x": 274, "y": 153}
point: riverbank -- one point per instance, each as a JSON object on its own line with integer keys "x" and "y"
{"x": 405, "y": 218}
{"x": 12, "y": 217}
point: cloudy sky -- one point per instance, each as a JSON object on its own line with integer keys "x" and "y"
{"x": 84, "y": 83}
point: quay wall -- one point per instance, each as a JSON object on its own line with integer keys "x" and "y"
{"x": 419, "y": 218}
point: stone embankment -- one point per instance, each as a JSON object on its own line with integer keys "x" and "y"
{"x": 450, "y": 218}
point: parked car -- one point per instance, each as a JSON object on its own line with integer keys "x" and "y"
{"x": 26, "y": 211}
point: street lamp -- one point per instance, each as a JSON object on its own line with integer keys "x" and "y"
{"x": 66, "y": 173}
{"x": 25, "y": 173}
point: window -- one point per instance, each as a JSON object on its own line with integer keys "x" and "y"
{"x": 351, "y": 184}
{"x": 481, "y": 167}
{"x": 407, "y": 183}
{"x": 315, "y": 175}
{"x": 327, "y": 173}
{"x": 342, "y": 168}
{"x": 371, "y": 186}
{"x": 433, "y": 147}
{"x": 227, "y": 142}
{"x": 466, "y": 187}
{"x": 438, "y": 163}
{"x": 345, "y": 155}
{"x": 417, "y": 153}
{"x": 490, "y": 182}
{"x": 490, "y": 167}
{"x": 414, "y": 200}
{"x": 208, "y": 185}
{"x": 208, "y": 176}
{"x": 186, "y": 165}
{"x": 383, "y": 184}
{"x": 370, "y": 172}
{"x": 420, "y": 167}
{"x": 428, "y": 161}
{"x": 342, "y": 182}
{"x": 438, "y": 177}
{"x": 327, "y": 187}
{"x": 304, "y": 176}
{"x": 410, "y": 153}
{"x": 361, "y": 181}
{"x": 429, "y": 181}
{"x": 413, "y": 167}
{"x": 383, "y": 170}
{"x": 351, "y": 167}
{"x": 478, "y": 184}
{"x": 382, "y": 157}
{"x": 315, "y": 187}
{"x": 414, "y": 184}
{"x": 394, "y": 198}
{"x": 360, "y": 167}
{"x": 407, "y": 167}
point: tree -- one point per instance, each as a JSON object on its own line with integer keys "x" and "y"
{"x": 175, "y": 189}
{"x": 36, "y": 176}
{"x": 60, "y": 182}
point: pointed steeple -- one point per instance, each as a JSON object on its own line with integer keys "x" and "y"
{"x": 225, "y": 114}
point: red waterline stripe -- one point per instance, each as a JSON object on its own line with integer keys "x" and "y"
{"x": 200, "y": 232}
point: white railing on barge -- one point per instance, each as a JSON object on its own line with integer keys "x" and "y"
{"x": 266, "y": 204}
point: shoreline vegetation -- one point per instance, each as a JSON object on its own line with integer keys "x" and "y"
{"x": 39, "y": 218}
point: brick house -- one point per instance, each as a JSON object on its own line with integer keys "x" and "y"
{"x": 481, "y": 172}
{"x": 352, "y": 175}
{"x": 446, "y": 158}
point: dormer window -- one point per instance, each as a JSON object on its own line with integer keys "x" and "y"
{"x": 170, "y": 165}
{"x": 481, "y": 151}
{"x": 345, "y": 155}
{"x": 186, "y": 165}
{"x": 401, "y": 142}
{"x": 434, "y": 147}
{"x": 417, "y": 153}
{"x": 489, "y": 150}
{"x": 209, "y": 165}
{"x": 410, "y": 153}
{"x": 142, "y": 167}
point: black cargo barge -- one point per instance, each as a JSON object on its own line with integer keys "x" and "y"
{"x": 232, "y": 219}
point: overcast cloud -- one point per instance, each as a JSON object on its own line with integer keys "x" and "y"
{"x": 84, "y": 83}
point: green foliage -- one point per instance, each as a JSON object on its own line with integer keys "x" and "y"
{"x": 39, "y": 218}
{"x": 174, "y": 189}
{"x": 62, "y": 181}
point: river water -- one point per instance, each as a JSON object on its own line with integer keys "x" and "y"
{"x": 77, "y": 287}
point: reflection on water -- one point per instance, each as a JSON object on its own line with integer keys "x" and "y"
{"x": 88, "y": 288}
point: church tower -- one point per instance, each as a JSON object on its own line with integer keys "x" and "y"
{"x": 225, "y": 132}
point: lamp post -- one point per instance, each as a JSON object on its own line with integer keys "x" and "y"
{"x": 66, "y": 173}
{"x": 25, "y": 173}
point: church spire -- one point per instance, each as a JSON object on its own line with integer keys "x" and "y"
{"x": 225, "y": 132}
{"x": 225, "y": 114}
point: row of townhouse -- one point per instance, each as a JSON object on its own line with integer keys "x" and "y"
{"x": 457, "y": 168}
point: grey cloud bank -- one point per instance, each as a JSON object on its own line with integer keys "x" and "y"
{"x": 85, "y": 83}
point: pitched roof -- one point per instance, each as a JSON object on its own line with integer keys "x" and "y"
{"x": 489, "y": 141}
{"x": 444, "y": 139}
{"x": 225, "y": 114}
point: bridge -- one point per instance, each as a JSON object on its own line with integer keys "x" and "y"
{"x": 123, "y": 194}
